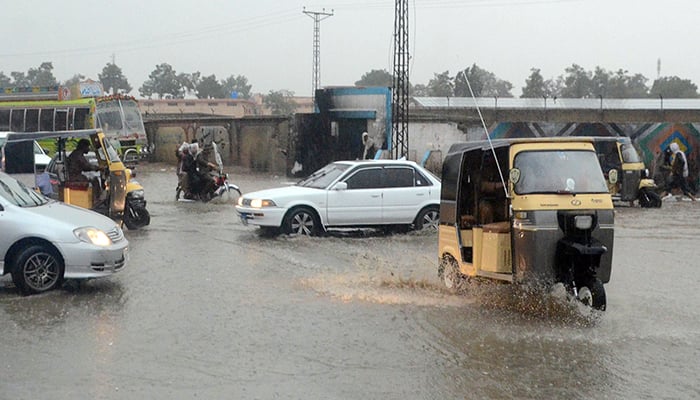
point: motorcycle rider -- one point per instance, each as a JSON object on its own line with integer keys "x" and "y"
{"x": 200, "y": 181}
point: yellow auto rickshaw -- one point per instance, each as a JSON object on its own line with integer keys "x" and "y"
{"x": 111, "y": 190}
{"x": 628, "y": 179}
{"x": 527, "y": 211}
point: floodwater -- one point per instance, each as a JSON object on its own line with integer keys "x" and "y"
{"x": 208, "y": 309}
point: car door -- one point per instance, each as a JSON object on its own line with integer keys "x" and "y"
{"x": 402, "y": 198}
{"x": 361, "y": 202}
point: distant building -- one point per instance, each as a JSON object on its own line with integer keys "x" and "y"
{"x": 221, "y": 107}
{"x": 235, "y": 108}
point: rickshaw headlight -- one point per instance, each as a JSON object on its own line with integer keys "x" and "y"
{"x": 583, "y": 222}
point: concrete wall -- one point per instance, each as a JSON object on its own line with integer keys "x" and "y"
{"x": 257, "y": 143}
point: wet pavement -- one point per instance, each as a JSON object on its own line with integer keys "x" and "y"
{"x": 208, "y": 309}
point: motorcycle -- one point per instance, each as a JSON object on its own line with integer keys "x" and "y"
{"x": 219, "y": 187}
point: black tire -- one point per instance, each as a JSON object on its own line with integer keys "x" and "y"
{"x": 448, "y": 271}
{"x": 427, "y": 218}
{"x": 37, "y": 269}
{"x": 597, "y": 299}
{"x": 649, "y": 199}
{"x": 302, "y": 221}
{"x": 136, "y": 217}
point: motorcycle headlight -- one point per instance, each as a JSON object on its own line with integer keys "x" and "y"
{"x": 92, "y": 235}
{"x": 137, "y": 194}
{"x": 260, "y": 203}
{"x": 583, "y": 222}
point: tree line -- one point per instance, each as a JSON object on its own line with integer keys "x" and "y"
{"x": 575, "y": 82}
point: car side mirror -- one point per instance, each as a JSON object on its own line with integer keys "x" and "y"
{"x": 340, "y": 186}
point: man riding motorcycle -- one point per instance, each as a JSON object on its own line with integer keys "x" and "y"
{"x": 200, "y": 182}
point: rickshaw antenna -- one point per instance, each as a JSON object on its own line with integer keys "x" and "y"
{"x": 483, "y": 124}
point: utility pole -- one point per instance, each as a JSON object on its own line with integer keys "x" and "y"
{"x": 317, "y": 16}
{"x": 399, "y": 106}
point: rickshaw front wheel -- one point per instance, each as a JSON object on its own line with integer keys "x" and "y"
{"x": 592, "y": 294}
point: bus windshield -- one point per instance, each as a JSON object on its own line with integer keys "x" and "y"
{"x": 120, "y": 117}
{"x": 559, "y": 171}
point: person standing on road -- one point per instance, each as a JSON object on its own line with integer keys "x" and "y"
{"x": 368, "y": 145}
{"x": 679, "y": 172}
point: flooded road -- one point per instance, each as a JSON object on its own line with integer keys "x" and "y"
{"x": 208, "y": 309}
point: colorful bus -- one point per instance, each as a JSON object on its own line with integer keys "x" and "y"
{"x": 83, "y": 106}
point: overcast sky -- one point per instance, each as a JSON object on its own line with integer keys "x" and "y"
{"x": 271, "y": 41}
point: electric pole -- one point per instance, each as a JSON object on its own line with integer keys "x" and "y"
{"x": 317, "y": 16}
{"x": 400, "y": 93}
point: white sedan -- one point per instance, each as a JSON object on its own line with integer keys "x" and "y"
{"x": 44, "y": 241}
{"x": 363, "y": 193}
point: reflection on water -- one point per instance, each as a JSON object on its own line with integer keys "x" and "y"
{"x": 207, "y": 308}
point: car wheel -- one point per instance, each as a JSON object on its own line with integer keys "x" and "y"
{"x": 37, "y": 269}
{"x": 428, "y": 218}
{"x": 302, "y": 221}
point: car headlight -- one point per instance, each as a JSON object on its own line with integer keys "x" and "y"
{"x": 583, "y": 222}
{"x": 260, "y": 203}
{"x": 136, "y": 194}
{"x": 92, "y": 235}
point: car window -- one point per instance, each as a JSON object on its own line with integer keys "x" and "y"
{"x": 324, "y": 176}
{"x": 368, "y": 178}
{"x": 398, "y": 177}
{"x": 422, "y": 180}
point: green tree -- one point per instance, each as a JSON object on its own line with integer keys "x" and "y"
{"x": 20, "y": 79}
{"x": 534, "y": 85}
{"x": 419, "y": 90}
{"x": 113, "y": 80}
{"x": 5, "y": 80}
{"x": 376, "y": 77}
{"x": 188, "y": 82}
{"x": 673, "y": 87}
{"x": 42, "y": 76}
{"x": 621, "y": 85}
{"x": 162, "y": 81}
{"x": 441, "y": 85}
{"x": 280, "y": 102}
{"x": 209, "y": 88}
{"x": 578, "y": 83}
{"x": 483, "y": 83}
{"x": 238, "y": 84}
{"x": 77, "y": 78}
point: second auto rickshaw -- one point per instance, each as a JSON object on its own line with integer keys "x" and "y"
{"x": 628, "y": 179}
{"x": 112, "y": 191}
{"x": 528, "y": 211}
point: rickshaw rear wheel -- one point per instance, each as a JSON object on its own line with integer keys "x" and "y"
{"x": 649, "y": 199}
{"x": 136, "y": 217}
{"x": 592, "y": 293}
{"x": 450, "y": 274}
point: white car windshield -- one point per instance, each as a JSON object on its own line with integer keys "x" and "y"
{"x": 324, "y": 176}
{"x": 18, "y": 194}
